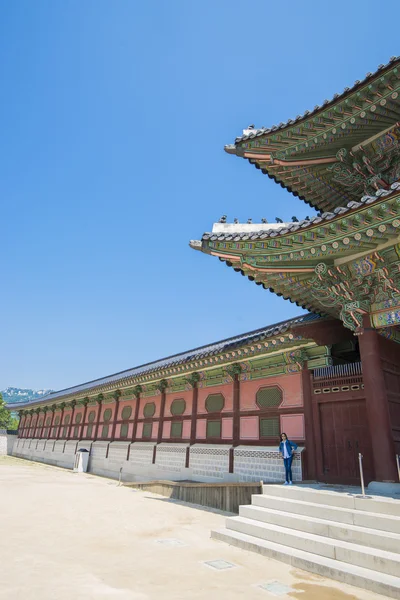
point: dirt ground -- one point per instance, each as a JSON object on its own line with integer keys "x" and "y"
{"x": 77, "y": 536}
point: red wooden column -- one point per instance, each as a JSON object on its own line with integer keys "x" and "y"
{"x": 71, "y": 423}
{"x": 377, "y": 404}
{"x": 85, "y": 403}
{"x": 137, "y": 391}
{"x": 99, "y": 401}
{"x": 44, "y": 422}
{"x": 21, "y": 424}
{"x": 309, "y": 422}
{"x": 53, "y": 410}
{"x": 62, "y": 406}
{"x": 35, "y": 431}
{"x": 235, "y": 371}
{"x": 117, "y": 395}
{"x": 162, "y": 386}
{"x": 193, "y": 379}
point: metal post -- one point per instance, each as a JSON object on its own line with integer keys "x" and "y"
{"x": 120, "y": 476}
{"x": 360, "y": 457}
{"x": 398, "y": 464}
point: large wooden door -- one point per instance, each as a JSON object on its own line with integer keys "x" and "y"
{"x": 345, "y": 433}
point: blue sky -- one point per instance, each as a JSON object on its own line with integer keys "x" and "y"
{"x": 113, "y": 119}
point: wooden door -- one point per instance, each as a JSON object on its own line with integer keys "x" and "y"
{"x": 345, "y": 433}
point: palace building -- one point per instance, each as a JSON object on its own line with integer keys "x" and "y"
{"x": 330, "y": 378}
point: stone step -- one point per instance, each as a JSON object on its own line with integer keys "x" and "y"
{"x": 376, "y": 582}
{"x": 375, "y": 504}
{"x": 354, "y": 534}
{"x": 331, "y": 513}
{"x": 368, "y": 558}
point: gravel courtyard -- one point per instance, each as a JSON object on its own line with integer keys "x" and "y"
{"x": 76, "y": 536}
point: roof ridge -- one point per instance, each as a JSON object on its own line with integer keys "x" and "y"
{"x": 120, "y": 375}
{"x": 326, "y": 103}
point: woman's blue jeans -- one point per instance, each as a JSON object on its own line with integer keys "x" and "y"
{"x": 288, "y": 468}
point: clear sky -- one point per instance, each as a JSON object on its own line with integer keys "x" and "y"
{"x": 113, "y": 119}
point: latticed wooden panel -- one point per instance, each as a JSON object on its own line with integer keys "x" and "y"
{"x": 124, "y": 430}
{"x": 104, "y": 432}
{"x": 268, "y": 397}
{"x": 215, "y": 402}
{"x": 269, "y": 427}
{"x": 89, "y": 431}
{"x": 76, "y": 431}
{"x": 126, "y": 412}
{"x": 78, "y": 418}
{"x": 213, "y": 429}
{"x": 149, "y": 409}
{"x": 48, "y": 421}
{"x": 178, "y": 407}
{"x": 107, "y": 414}
{"x": 67, "y": 419}
{"x": 176, "y": 430}
{"x": 147, "y": 428}
{"x": 91, "y": 416}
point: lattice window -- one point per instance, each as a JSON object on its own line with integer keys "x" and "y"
{"x": 178, "y": 407}
{"x": 215, "y": 402}
{"x": 126, "y": 412}
{"x": 269, "y": 427}
{"x": 104, "y": 431}
{"x": 124, "y": 430}
{"x": 78, "y": 418}
{"x": 76, "y": 431}
{"x": 149, "y": 409}
{"x": 176, "y": 429}
{"x": 107, "y": 414}
{"x": 89, "y": 431}
{"x": 147, "y": 429}
{"x": 268, "y": 397}
{"x": 213, "y": 429}
{"x": 92, "y": 416}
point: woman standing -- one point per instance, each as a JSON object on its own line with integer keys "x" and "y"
{"x": 286, "y": 448}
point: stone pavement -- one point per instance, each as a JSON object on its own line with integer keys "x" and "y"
{"x": 67, "y": 535}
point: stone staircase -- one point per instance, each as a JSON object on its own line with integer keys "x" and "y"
{"x": 339, "y": 535}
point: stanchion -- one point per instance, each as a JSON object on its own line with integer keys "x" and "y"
{"x": 120, "y": 476}
{"x": 360, "y": 457}
{"x": 398, "y": 464}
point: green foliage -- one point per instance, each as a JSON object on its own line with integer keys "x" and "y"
{"x": 5, "y": 415}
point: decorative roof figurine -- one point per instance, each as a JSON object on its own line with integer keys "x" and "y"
{"x": 236, "y": 221}
{"x": 249, "y": 221}
{"x": 278, "y": 220}
{"x": 264, "y": 220}
{"x": 222, "y": 219}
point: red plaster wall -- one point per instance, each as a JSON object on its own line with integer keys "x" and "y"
{"x": 154, "y": 431}
{"x": 167, "y": 430}
{"x": 290, "y": 385}
{"x": 201, "y": 429}
{"x": 293, "y": 426}
{"x": 249, "y": 428}
{"x": 227, "y": 429}
{"x": 139, "y": 430}
{"x": 186, "y": 395}
{"x": 122, "y": 405}
{"x": 157, "y": 402}
{"x": 226, "y": 390}
{"x": 186, "y": 430}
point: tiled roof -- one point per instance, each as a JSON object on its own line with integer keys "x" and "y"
{"x": 309, "y": 113}
{"x": 292, "y": 227}
{"x": 177, "y": 359}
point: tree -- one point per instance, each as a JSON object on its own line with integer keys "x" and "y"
{"x": 5, "y": 415}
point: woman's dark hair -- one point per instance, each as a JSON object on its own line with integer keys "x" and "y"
{"x": 283, "y": 434}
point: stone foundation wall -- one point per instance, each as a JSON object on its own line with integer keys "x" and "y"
{"x": 207, "y": 463}
{"x": 7, "y": 441}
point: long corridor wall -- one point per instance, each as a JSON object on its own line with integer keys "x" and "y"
{"x": 147, "y": 461}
